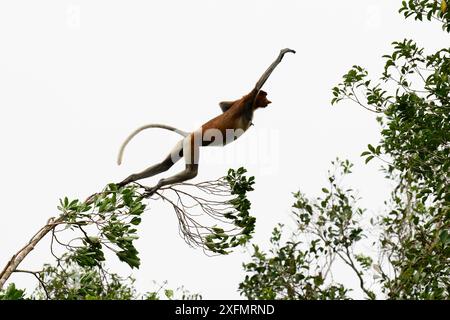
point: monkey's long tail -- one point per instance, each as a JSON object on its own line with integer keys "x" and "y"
{"x": 148, "y": 126}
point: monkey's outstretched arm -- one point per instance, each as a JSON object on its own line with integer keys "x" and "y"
{"x": 272, "y": 67}
{"x": 148, "y": 126}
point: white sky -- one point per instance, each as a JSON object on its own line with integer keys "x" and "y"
{"x": 76, "y": 77}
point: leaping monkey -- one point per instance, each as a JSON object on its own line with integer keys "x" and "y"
{"x": 236, "y": 119}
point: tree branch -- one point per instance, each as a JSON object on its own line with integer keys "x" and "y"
{"x": 16, "y": 259}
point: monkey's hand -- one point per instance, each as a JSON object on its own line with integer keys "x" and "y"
{"x": 284, "y": 51}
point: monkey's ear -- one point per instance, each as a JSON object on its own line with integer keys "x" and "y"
{"x": 225, "y": 105}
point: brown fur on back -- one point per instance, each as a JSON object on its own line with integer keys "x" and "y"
{"x": 239, "y": 116}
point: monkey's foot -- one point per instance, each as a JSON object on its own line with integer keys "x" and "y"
{"x": 124, "y": 183}
{"x": 127, "y": 180}
{"x": 120, "y": 185}
{"x": 151, "y": 191}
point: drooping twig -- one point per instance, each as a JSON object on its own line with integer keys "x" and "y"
{"x": 36, "y": 275}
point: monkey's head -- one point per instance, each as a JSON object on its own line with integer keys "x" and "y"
{"x": 261, "y": 100}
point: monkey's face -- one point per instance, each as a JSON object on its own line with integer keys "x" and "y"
{"x": 261, "y": 100}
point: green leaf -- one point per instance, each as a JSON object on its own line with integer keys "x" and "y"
{"x": 135, "y": 221}
{"x": 369, "y": 158}
{"x": 168, "y": 293}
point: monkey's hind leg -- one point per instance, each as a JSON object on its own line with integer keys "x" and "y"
{"x": 164, "y": 165}
{"x": 191, "y": 152}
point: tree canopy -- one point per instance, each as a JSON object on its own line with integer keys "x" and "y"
{"x": 411, "y": 101}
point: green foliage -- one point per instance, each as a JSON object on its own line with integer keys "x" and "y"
{"x": 90, "y": 255}
{"x": 365, "y": 261}
{"x": 219, "y": 241}
{"x": 70, "y": 281}
{"x": 299, "y": 268}
{"x": 415, "y": 147}
{"x": 115, "y": 213}
{"x": 429, "y": 10}
{"x": 412, "y": 246}
{"x": 416, "y": 141}
{"x": 415, "y": 120}
{"x": 12, "y": 293}
{"x": 74, "y": 281}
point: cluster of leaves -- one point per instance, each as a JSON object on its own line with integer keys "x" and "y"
{"x": 428, "y": 9}
{"x": 327, "y": 228}
{"x": 415, "y": 119}
{"x": 416, "y": 244}
{"x": 70, "y": 281}
{"x": 12, "y": 293}
{"x": 219, "y": 241}
{"x": 412, "y": 101}
{"x": 115, "y": 213}
{"x": 415, "y": 145}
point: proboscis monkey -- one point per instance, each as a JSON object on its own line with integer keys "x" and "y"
{"x": 236, "y": 119}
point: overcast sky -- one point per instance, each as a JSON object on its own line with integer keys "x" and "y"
{"x": 76, "y": 77}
